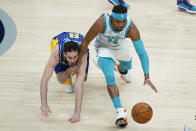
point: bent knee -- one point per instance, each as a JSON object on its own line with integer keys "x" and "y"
{"x": 107, "y": 66}
{"x": 61, "y": 81}
{"x": 60, "y": 77}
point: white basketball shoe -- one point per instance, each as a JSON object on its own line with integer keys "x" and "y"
{"x": 68, "y": 87}
{"x": 121, "y": 120}
{"x": 126, "y": 77}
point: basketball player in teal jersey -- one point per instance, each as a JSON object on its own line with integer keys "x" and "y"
{"x": 64, "y": 48}
{"x": 112, "y": 47}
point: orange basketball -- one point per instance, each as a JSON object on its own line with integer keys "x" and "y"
{"x": 142, "y": 112}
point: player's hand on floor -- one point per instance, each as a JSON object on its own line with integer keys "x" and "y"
{"x": 75, "y": 118}
{"x": 45, "y": 110}
{"x": 148, "y": 82}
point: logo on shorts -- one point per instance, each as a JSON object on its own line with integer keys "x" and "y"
{"x": 8, "y": 32}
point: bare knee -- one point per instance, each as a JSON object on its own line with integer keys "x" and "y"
{"x": 61, "y": 81}
{"x": 61, "y": 78}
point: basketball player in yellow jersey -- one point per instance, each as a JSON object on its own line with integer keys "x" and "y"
{"x": 65, "y": 47}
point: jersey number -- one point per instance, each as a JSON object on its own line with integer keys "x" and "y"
{"x": 71, "y": 35}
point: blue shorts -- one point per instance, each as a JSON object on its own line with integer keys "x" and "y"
{"x": 63, "y": 67}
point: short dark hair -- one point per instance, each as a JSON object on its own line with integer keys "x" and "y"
{"x": 119, "y": 9}
{"x": 71, "y": 46}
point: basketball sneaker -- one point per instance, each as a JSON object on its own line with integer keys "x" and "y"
{"x": 121, "y": 120}
{"x": 126, "y": 77}
{"x": 68, "y": 87}
{"x": 184, "y": 5}
{"x": 118, "y": 2}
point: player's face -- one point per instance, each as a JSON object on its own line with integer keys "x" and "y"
{"x": 71, "y": 57}
{"x": 118, "y": 24}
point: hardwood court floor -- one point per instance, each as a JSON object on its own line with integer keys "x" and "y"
{"x": 169, "y": 38}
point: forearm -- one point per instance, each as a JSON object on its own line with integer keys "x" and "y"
{"x": 143, "y": 57}
{"x": 78, "y": 98}
{"x": 43, "y": 92}
{"x": 49, "y": 68}
{"x": 144, "y": 62}
{"x": 79, "y": 84}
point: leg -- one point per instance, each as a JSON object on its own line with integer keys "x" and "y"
{"x": 66, "y": 81}
{"x": 125, "y": 61}
{"x": 63, "y": 78}
{"x": 107, "y": 65}
{"x": 125, "y": 65}
{"x": 123, "y": 68}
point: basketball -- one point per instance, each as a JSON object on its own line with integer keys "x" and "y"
{"x": 142, "y": 112}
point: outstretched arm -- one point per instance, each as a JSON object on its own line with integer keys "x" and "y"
{"x": 79, "y": 90}
{"x": 134, "y": 34}
{"x": 49, "y": 68}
